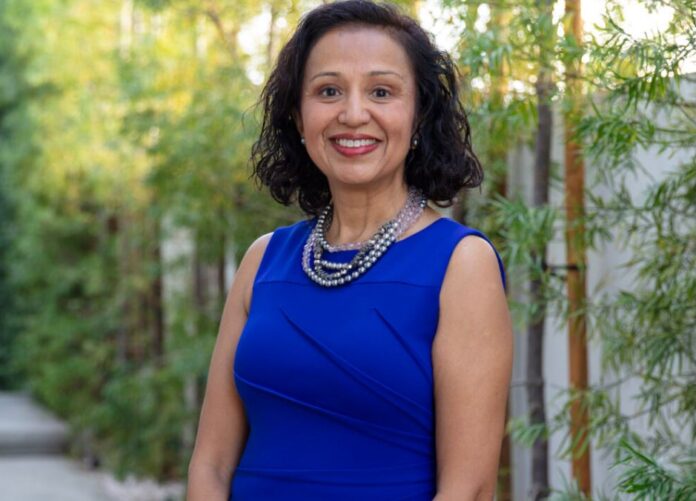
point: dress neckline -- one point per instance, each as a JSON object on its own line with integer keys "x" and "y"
{"x": 422, "y": 230}
{"x": 397, "y": 242}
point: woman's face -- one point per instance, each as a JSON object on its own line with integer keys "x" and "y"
{"x": 357, "y": 108}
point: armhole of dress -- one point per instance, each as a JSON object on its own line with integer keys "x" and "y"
{"x": 267, "y": 258}
{"x": 501, "y": 266}
{"x": 263, "y": 264}
{"x": 467, "y": 232}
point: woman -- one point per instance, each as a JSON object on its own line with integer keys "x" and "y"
{"x": 373, "y": 359}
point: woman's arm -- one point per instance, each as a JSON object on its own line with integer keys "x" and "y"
{"x": 472, "y": 364}
{"x": 222, "y": 428}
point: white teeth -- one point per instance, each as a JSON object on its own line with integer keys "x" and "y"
{"x": 355, "y": 143}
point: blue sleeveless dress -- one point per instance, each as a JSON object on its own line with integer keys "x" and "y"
{"x": 337, "y": 383}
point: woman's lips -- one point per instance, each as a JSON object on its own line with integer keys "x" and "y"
{"x": 350, "y": 151}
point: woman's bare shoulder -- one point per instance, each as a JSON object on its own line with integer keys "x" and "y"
{"x": 249, "y": 266}
{"x": 255, "y": 251}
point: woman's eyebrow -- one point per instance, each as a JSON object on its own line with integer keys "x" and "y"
{"x": 385, "y": 72}
{"x": 325, "y": 74}
{"x": 371, "y": 73}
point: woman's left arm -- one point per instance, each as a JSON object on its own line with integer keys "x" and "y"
{"x": 472, "y": 363}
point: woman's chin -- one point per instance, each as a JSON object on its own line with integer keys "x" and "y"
{"x": 354, "y": 182}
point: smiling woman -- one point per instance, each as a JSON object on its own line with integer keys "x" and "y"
{"x": 357, "y": 113}
{"x": 372, "y": 360}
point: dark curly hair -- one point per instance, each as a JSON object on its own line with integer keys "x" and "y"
{"x": 441, "y": 165}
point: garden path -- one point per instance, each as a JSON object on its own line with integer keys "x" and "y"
{"x": 33, "y": 466}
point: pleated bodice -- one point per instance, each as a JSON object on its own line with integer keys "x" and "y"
{"x": 337, "y": 383}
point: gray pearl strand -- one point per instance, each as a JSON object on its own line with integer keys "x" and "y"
{"x": 318, "y": 269}
{"x": 404, "y": 219}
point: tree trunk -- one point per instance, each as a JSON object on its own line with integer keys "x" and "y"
{"x": 228, "y": 37}
{"x": 535, "y": 333}
{"x": 500, "y": 17}
{"x": 191, "y": 385}
{"x": 461, "y": 210}
{"x": 575, "y": 255}
{"x": 120, "y": 231}
{"x": 157, "y": 299}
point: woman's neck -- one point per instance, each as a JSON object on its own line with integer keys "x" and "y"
{"x": 358, "y": 215}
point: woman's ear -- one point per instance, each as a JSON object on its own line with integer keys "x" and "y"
{"x": 297, "y": 118}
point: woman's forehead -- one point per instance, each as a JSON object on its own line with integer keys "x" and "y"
{"x": 368, "y": 49}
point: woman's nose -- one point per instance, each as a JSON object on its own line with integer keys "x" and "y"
{"x": 355, "y": 112}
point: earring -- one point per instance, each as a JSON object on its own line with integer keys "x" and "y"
{"x": 302, "y": 140}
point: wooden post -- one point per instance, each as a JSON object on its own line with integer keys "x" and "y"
{"x": 575, "y": 255}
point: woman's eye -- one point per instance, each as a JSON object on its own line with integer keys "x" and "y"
{"x": 380, "y": 92}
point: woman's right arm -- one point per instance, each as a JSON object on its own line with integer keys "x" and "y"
{"x": 222, "y": 427}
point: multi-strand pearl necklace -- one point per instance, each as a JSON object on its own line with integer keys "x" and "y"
{"x": 331, "y": 274}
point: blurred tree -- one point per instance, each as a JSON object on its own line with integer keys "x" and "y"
{"x": 11, "y": 88}
{"x": 508, "y": 60}
{"x": 150, "y": 136}
{"x": 18, "y": 147}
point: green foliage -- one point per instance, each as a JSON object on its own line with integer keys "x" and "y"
{"x": 645, "y": 477}
{"x": 647, "y": 334}
{"x": 646, "y": 331}
{"x": 526, "y": 434}
{"x": 138, "y": 421}
{"x": 67, "y": 267}
{"x": 637, "y": 98}
{"x": 7, "y": 334}
{"x": 108, "y": 148}
{"x": 17, "y": 146}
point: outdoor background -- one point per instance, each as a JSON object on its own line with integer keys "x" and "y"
{"x": 125, "y": 202}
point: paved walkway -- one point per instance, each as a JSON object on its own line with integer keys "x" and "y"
{"x": 43, "y": 477}
{"x": 33, "y": 467}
